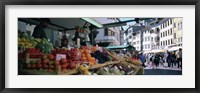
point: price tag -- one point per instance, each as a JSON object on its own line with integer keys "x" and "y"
{"x": 59, "y": 56}
{"x": 120, "y": 67}
{"x": 105, "y": 69}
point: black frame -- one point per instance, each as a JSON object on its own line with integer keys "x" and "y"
{"x": 97, "y": 2}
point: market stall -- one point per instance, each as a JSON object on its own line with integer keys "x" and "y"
{"x": 40, "y": 57}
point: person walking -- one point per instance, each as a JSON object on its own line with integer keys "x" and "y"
{"x": 156, "y": 60}
{"x": 168, "y": 59}
{"x": 179, "y": 57}
{"x": 142, "y": 58}
{"x": 173, "y": 59}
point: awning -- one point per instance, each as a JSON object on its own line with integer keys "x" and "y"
{"x": 119, "y": 47}
{"x": 174, "y": 48}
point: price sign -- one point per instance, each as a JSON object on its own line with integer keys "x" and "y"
{"x": 59, "y": 56}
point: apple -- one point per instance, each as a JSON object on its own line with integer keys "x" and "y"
{"x": 45, "y": 66}
{"x": 38, "y": 66}
{"x": 50, "y": 56}
{"x": 32, "y": 61}
{"x": 28, "y": 62}
{"x": 56, "y": 63}
{"x": 44, "y": 57}
{"x": 38, "y": 62}
{"x": 63, "y": 70}
{"x": 51, "y": 67}
{"x": 63, "y": 61}
{"x": 50, "y": 62}
{"x": 33, "y": 66}
{"x": 70, "y": 61}
{"x": 72, "y": 65}
{"x": 28, "y": 66}
{"x": 64, "y": 66}
{"x": 45, "y": 61}
{"x": 50, "y": 70}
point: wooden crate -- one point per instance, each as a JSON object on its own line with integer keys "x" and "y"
{"x": 28, "y": 59}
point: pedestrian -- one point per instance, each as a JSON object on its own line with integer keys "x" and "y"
{"x": 179, "y": 57}
{"x": 156, "y": 60}
{"x": 173, "y": 58}
{"x": 161, "y": 61}
{"x": 168, "y": 58}
{"x": 142, "y": 58}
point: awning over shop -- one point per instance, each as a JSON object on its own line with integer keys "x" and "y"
{"x": 174, "y": 48}
{"x": 120, "y": 47}
{"x": 154, "y": 51}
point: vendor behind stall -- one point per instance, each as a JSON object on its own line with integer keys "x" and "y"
{"x": 39, "y": 29}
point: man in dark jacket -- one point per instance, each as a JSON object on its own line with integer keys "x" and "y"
{"x": 142, "y": 58}
{"x": 39, "y": 29}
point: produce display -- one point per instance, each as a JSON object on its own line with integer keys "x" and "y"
{"x": 38, "y": 57}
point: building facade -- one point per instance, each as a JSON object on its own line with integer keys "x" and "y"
{"x": 159, "y": 34}
{"x": 111, "y": 34}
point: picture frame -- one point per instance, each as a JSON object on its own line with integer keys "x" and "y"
{"x": 97, "y": 2}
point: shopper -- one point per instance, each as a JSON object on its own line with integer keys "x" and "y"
{"x": 179, "y": 57}
{"x": 151, "y": 57}
{"x": 156, "y": 60}
{"x": 161, "y": 61}
{"x": 168, "y": 59}
{"x": 173, "y": 58}
{"x": 142, "y": 58}
{"x": 39, "y": 29}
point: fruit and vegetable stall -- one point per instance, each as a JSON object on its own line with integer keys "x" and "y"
{"x": 39, "y": 57}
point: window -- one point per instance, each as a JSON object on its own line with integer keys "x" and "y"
{"x": 161, "y": 35}
{"x": 171, "y": 42}
{"x": 152, "y": 39}
{"x": 145, "y": 39}
{"x": 166, "y": 33}
{"x": 148, "y": 46}
{"x": 170, "y": 21}
{"x": 137, "y": 42}
{"x": 129, "y": 31}
{"x": 174, "y": 25}
{"x": 145, "y": 46}
{"x": 180, "y": 26}
{"x": 181, "y": 39}
{"x": 108, "y": 32}
{"x": 134, "y": 37}
{"x": 130, "y": 37}
{"x": 149, "y": 38}
{"x": 168, "y": 42}
{"x": 164, "y": 25}
{"x": 161, "y": 26}
{"x": 178, "y": 40}
{"x": 174, "y": 35}
{"x": 161, "y": 43}
{"x": 171, "y": 31}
